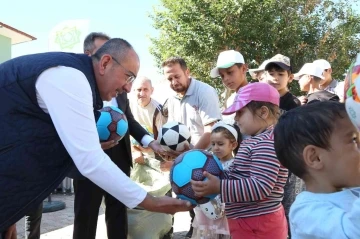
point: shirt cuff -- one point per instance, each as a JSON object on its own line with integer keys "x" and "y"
{"x": 146, "y": 140}
{"x": 138, "y": 199}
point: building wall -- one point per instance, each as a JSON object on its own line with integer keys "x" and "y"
{"x": 5, "y": 48}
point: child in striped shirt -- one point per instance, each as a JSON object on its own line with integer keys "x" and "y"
{"x": 253, "y": 186}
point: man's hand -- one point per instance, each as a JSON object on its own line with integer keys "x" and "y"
{"x": 11, "y": 232}
{"x": 165, "y": 166}
{"x": 165, "y": 154}
{"x": 138, "y": 157}
{"x": 108, "y": 144}
{"x": 303, "y": 99}
{"x": 142, "y": 149}
{"x": 165, "y": 204}
{"x": 156, "y": 147}
{"x": 208, "y": 187}
{"x": 172, "y": 154}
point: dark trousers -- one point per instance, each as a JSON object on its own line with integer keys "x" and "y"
{"x": 88, "y": 197}
{"x": 33, "y": 220}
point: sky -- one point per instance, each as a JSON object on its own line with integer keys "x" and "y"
{"x": 117, "y": 18}
{"x": 127, "y": 19}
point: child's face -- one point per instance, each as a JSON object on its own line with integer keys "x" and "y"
{"x": 233, "y": 77}
{"x": 222, "y": 147}
{"x": 279, "y": 79}
{"x": 249, "y": 123}
{"x": 341, "y": 164}
{"x": 304, "y": 83}
{"x": 260, "y": 76}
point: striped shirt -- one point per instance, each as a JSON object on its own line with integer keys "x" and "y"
{"x": 254, "y": 184}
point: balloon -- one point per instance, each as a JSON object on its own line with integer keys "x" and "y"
{"x": 352, "y": 90}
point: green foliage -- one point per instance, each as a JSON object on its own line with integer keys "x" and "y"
{"x": 304, "y": 30}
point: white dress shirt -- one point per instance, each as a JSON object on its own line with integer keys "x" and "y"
{"x": 65, "y": 94}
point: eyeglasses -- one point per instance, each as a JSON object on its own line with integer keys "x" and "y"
{"x": 131, "y": 76}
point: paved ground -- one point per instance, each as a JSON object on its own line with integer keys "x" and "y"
{"x": 59, "y": 225}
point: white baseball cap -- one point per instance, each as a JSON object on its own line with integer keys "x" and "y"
{"x": 323, "y": 64}
{"x": 309, "y": 69}
{"x": 225, "y": 60}
{"x": 261, "y": 67}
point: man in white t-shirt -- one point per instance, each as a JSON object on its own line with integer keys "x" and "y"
{"x": 195, "y": 104}
{"x": 146, "y": 170}
{"x": 66, "y": 95}
{"x": 145, "y": 109}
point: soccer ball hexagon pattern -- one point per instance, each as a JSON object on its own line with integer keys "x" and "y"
{"x": 174, "y": 135}
{"x": 191, "y": 165}
{"x": 112, "y": 124}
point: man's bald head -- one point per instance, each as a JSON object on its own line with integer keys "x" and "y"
{"x": 115, "y": 65}
{"x": 143, "y": 89}
{"x": 141, "y": 80}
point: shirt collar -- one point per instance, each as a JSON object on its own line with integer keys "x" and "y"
{"x": 332, "y": 85}
{"x": 191, "y": 88}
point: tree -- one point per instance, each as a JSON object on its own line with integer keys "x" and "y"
{"x": 304, "y": 30}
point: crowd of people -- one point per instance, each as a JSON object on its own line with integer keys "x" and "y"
{"x": 291, "y": 164}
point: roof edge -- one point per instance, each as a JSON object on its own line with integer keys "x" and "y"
{"x": 17, "y": 31}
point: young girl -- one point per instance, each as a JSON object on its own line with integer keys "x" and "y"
{"x": 225, "y": 141}
{"x": 253, "y": 187}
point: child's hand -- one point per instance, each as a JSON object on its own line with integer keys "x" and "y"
{"x": 208, "y": 187}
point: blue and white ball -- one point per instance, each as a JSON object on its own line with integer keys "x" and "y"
{"x": 191, "y": 166}
{"x": 112, "y": 124}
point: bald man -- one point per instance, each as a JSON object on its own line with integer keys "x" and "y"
{"x": 146, "y": 170}
{"x": 144, "y": 107}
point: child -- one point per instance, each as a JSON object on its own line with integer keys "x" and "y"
{"x": 231, "y": 68}
{"x": 330, "y": 84}
{"x": 310, "y": 77}
{"x": 279, "y": 76}
{"x": 254, "y": 185}
{"x": 324, "y": 151}
{"x": 259, "y": 73}
{"x": 225, "y": 140}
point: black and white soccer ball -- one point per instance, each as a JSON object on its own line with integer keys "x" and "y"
{"x": 174, "y": 135}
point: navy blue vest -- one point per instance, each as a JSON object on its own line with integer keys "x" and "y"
{"x": 33, "y": 160}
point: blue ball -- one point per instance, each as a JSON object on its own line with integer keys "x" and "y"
{"x": 112, "y": 124}
{"x": 191, "y": 165}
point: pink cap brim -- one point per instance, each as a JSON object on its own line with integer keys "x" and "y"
{"x": 236, "y": 106}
